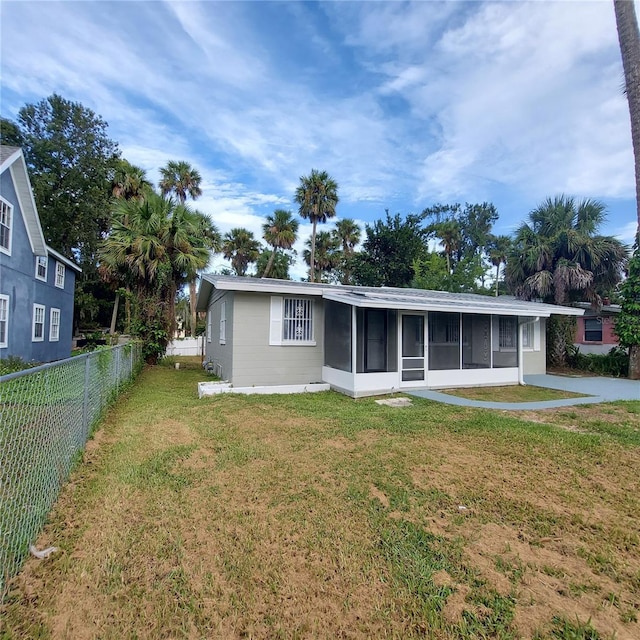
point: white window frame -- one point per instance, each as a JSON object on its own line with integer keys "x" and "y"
{"x": 54, "y": 324}
{"x": 4, "y": 320}
{"x": 223, "y": 323}
{"x": 42, "y": 261}
{"x": 209, "y": 325}
{"x": 278, "y": 322}
{"x": 60, "y": 272}
{"x": 6, "y": 222}
{"x": 37, "y": 310}
{"x": 533, "y": 329}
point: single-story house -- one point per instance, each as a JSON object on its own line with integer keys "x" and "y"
{"x": 594, "y": 331}
{"x": 367, "y": 340}
{"x": 37, "y": 284}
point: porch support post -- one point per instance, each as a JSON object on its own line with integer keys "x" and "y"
{"x": 520, "y": 353}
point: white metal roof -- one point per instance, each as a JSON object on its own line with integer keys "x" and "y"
{"x": 384, "y": 297}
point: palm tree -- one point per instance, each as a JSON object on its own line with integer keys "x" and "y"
{"x": 129, "y": 182}
{"x": 450, "y": 236}
{"x": 280, "y": 231}
{"x": 158, "y": 244}
{"x": 181, "y": 178}
{"x": 498, "y": 247}
{"x": 557, "y": 256}
{"x": 317, "y": 196}
{"x": 629, "y": 38}
{"x": 208, "y": 232}
{"x": 327, "y": 251}
{"x": 347, "y": 233}
{"x": 241, "y": 248}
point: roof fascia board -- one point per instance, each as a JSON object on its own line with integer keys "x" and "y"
{"x": 259, "y": 286}
{"x": 24, "y": 192}
{"x": 60, "y": 258}
{"x": 10, "y": 160}
{"x": 439, "y": 306}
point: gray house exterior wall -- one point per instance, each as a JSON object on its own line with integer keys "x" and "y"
{"x": 18, "y": 282}
{"x": 535, "y": 362}
{"x": 221, "y": 354}
{"x": 256, "y": 362}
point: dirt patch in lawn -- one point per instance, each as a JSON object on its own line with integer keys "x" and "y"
{"x": 280, "y": 517}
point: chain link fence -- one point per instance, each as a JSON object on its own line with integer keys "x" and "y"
{"x": 46, "y": 416}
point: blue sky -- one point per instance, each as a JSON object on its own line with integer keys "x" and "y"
{"x": 405, "y": 104}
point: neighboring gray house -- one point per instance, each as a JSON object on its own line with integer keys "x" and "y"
{"x": 367, "y": 340}
{"x": 36, "y": 282}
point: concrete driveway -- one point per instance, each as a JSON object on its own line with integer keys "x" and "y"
{"x": 598, "y": 390}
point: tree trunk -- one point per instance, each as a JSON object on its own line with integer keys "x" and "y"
{"x": 192, "y": 306}
{"x": 114, "y": 314}
{"x": 634, "y": 362}
{"x": 497, "y": 278}
{"x": 312, "y": 256}
{"x": 267, "y": 269}
{"x": 629, "y": 38}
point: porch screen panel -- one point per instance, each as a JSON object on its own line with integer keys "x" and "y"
{"x": 444, "y": 341}
{"x": 376, "y": 340}
{"x": 337, "y": 336}
{"x": 476, "y": 341}
{"x": 505, "y": 341}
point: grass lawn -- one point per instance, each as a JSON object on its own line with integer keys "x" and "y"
{"x": 317, "y": 516}
{"x": 512, "y": 393}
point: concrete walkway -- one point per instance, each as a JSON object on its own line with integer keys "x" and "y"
{"x": 598, "y": 390}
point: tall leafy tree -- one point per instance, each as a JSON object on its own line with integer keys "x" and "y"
{"x": 241, "y": 248}
{"x": 389, "y": 250}
{"x": 159, "y": 243}
{"x": 347, "y": 233}
{"x": 627, "y": 326}
{"x": 71, "y": 161}
{"x": 558, "y": 256}
{"x": 10, "y": 134}
{"x": 280, "y": 231}
{"x": 280, "y": 265}
{"x": 181, "y": 178}
{"x": 629, "y": 39}
{"x": 317, "y": 197}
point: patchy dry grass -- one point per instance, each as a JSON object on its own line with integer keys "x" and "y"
{"x": 317, "y": 516}
{"x": 512, "y": 393}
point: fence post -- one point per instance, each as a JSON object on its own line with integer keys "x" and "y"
{"x": 85, "y": 407}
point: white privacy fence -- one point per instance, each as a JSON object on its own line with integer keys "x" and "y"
{"x": 186, "y": 347}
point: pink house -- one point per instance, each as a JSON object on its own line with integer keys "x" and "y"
{"x": 594, "y": 332}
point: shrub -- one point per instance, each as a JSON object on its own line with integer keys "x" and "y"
{"x": 615, "y": 363}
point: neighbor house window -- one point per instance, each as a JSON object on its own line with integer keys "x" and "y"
{"x": 4, "y": 321}
{"x": 54, "y": 325}
{"x": 592, "y": 330}
{"x": 59, "y": 275}
{"x": 41, "y": 268}
{"x": 291, "y": 321}
{"x": 38, "y": 323}
{"x": 223, "y": 323}
{"x": 6, "y": 212}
